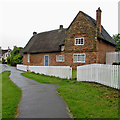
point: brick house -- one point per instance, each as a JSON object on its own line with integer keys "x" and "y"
{"x": 85, "y": 41}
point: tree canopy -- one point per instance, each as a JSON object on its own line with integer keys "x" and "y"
{"x": 15, "y": 56}
{"x": 116, "y": 37}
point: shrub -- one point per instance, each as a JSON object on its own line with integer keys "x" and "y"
{"x": 3, "y": 61}
{"x": 116, "y": 63}
{"x": 8, "y": 60}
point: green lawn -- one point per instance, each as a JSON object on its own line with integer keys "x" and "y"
{"x": 85, "y": 100}
{"x": 11, "y": 95}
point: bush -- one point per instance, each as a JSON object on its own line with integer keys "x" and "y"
{"x": 116, "y": 63}
{"x": 8, "y": 60}
{"x": 3, "y": 61}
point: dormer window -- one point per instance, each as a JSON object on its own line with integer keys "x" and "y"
{"x": 79, "y": 41}
{"x": 62, "y": 48}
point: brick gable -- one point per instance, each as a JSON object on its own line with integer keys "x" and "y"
{"x": 80, "y": 27}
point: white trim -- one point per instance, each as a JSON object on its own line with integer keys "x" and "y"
{"x": 44, "y": 59}
{"x": 80, "y": 39}
{"x": 60, "y": 60}
{"x": 77, "y": 58}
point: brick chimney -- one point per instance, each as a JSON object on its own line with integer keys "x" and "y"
{"x": 34, "y": 33}
{"x": 98, "y": 19}
{"x": 61, "y": 27}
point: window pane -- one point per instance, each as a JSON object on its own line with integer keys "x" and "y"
{"x": 75, "y": 58}
{"x": 62, "y": 57}
{"x": 79, "y": 57}
{"x": 81, "y": 40}
{"x": 76, "y": 41}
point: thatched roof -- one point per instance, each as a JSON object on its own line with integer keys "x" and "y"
{"x": 45, "y": 42}
{"x": 52, "y": 40}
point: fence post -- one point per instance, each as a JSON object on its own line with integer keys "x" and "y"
{"x": 118, "y": 76}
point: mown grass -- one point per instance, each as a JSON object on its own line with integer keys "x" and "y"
{"x": 85, "y": 100}
{"x": 11, "y": 95}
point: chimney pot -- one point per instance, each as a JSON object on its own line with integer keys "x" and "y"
{"x": 98, "y": 19}
{"x": 34, "y": 33}
{"x": 61, "y": 27}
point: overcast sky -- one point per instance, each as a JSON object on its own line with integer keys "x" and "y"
{"x": 20, "y": 18}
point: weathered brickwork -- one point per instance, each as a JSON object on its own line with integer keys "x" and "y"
{"x": 80, "y": 27}
{"x": 102, "y": 48}
{"x": 38, "y": 59}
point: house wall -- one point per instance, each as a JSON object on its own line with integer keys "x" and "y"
{"x": 81, "y": 27}
{"x": 38, "y": 59}
{"x": 102, "y": 48}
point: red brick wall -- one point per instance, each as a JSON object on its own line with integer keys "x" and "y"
{"x": 38, "y": 59}
{"x": 102, "y": 48}
{"x": 81, "y": 27}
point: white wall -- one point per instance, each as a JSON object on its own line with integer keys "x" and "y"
{"x": 100, "y": 73}
{"x": 57, "y": 71}
{"x": 112, "y": 57}
{"x": 22, "y": 67}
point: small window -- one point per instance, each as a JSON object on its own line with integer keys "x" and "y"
{"x": 28, "y": 58}
{"x": 79, "y": 41}
{"x": 79, "y": 58}
{"x": 62, "y": 48}
{"x": 59, "y": 58}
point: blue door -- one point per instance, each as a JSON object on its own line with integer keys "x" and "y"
{"x": 46, "y": 60}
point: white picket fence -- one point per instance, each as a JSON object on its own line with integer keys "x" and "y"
{"x": 57, "y": 71}
{"x": 108, "y": 75}
{"x": 112, "y": 57}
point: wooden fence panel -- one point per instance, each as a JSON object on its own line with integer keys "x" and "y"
{"x": 105, "y": 74}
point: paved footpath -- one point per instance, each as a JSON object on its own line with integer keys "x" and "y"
{"x": 38, "y": 100}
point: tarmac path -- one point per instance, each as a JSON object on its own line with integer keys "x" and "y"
{"x": 38, "y": 100}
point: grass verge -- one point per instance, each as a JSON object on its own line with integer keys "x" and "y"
{"x": 11, "y": 95}
{"x": 85, "y": 100}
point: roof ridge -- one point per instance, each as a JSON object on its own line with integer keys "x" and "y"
{"x": 50, "y": 31}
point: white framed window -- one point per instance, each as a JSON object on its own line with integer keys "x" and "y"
{"x": 79, "y": 41}
{"x": 62, "y": 48}
{"x": 79, "y": 58}
{"x": 28, "y": 58}
{"x": 59, "y": 58}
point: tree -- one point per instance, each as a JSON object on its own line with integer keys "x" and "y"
{"x": 17, "y": 59}
{"x": 15, "y": 56}
{"x": 8, "y": 60}
{"x": 116, "y": 37}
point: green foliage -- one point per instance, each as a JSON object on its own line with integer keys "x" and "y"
{"x": 15, "y": 56}
{"x": 3, "y": 61}
{"x": 116, "y": 63}
{"x": 8, "y": 60}
{"x": 17, "y": 59}
{"x": 84, "y": 99}
{"x": 117, "y": 40}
